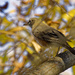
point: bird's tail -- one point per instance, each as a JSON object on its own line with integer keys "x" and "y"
{"x": 70, "y": 48}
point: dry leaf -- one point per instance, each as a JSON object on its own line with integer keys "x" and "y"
{"x": 36, "y": 46}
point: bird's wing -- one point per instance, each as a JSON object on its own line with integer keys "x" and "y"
{"x": 51, "y": 35}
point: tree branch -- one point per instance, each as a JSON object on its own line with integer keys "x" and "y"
{"x": 55, "y": 65}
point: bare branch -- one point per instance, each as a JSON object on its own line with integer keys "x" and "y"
{"x": 55, "y": 65}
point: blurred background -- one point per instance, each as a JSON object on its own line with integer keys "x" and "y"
{"x": 19, "y": 51}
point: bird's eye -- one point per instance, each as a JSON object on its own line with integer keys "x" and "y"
{"x": 29, "y": 21}
{"x": 32, "y": 20}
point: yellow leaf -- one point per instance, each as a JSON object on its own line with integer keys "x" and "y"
{"x": 73, "y": 70}
{"x": 68, "y": 16}
{"x": 23, "y": 46}
{"x": 16, "y": 29}
{"x": 44, "y": 22}
{"x": 4, "y": 38}
{"x": 62, "y": 31}
{"x": 7, "y": 32}
{"x": 36, "y": 46}
{"x": 17, "y": 66}
{"x": 29, "y": 50}
{"x": 6, "y": 22}
{"x": 71, "y": 44}
{"x": 67, "y": 1}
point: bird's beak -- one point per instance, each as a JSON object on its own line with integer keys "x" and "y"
{"x": 26, "y": 24}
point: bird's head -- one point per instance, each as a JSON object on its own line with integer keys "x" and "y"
{"x": 32, "y": 21}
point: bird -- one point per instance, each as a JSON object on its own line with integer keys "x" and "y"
{"x": 47, "y": 36}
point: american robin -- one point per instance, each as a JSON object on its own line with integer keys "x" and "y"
{"x": 47, "y": 36}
